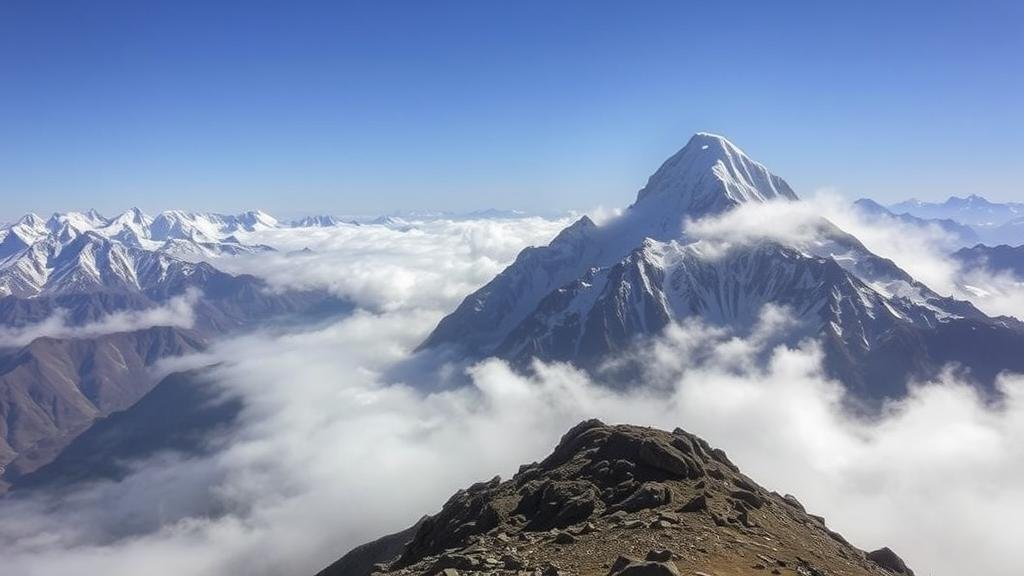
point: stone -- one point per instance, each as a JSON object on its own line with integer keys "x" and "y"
{"x": 659, "y": 556}
{"x": 512, "y": 562}
{"x": 648, "y": 569}
{"x": 564, "y": 538}
{"x": 792, "y": 501}
{"x": 888, "y": 559}
{"x": 668, "y": 517}
{"x": 587, "y": 528}
{"x": 549, "y": 569}
{"x": 665, "y": 458}
{"x": 748, "y": 497}
{"x": 648, "y": 495}
{"x": 621, "y": 562}
{"x": 696, "y": 504}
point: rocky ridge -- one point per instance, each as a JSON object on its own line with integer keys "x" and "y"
{"x": 623, "y": 501}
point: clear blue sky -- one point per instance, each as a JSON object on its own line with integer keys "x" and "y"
{"x": 365, "y": 107}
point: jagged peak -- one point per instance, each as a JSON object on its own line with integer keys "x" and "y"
{"x": 133, "y": 215}
{"x": 711, "y": 174}
{"x": 32, "y": 220}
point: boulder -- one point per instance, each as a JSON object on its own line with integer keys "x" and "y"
{"x": 888, "y": 559}
{"x": 648, "y": 495}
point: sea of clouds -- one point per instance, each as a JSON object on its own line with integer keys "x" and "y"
{"x": 332, "y": 449}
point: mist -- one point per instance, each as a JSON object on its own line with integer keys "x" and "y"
{"x": 177, "y": 311}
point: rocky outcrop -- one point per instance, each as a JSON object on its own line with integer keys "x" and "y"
{"x": 888, "y": 559}
{"x": 630, "y": 501}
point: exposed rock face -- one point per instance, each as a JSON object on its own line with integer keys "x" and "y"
{"x": 888, "y": 559}
{"x": 625, "y": 500}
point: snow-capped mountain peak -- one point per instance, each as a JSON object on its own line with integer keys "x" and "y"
{"x": 711, "y": 174}
{"x": 595, "y": 289}
{"x": 256, "y": 220}
{"x": 31, "y": 221}
{"x": 134, "y": 221}
{"x": 78, "y": 221}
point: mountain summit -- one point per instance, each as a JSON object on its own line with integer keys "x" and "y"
{"x": 711, "y": 174}
{"x": 596, "y": 290}
{"x": 707, "y": 176}
{"x": 607, "y": 493}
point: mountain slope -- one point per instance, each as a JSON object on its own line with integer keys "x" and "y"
{"x": 999, "y": 259}
{"x": 52, "y": 389}
{"x": 183, "y": 413}
{"x": 595, "y": 291}
{"x": 623, "y": 500}
{"x": 708, "y": 176}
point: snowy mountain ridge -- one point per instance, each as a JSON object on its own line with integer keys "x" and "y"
{"x": 596, "y": 289}
{"x": 86, "y": 263}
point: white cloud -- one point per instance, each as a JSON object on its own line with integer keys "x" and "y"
{"x": 922, "y": 251}
{"x": 431, "y": 265}
{"x": 332, "y": 453}
{"x": 177, "y": 311}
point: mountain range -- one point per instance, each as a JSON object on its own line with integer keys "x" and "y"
{"x": 71, "y": 355}
{"x": 991, "y": 222}
{"x": 959, "y": 235}
{"x": 972, "y": 210}
{"x": 89, "y": 306}
{"x": 597, "y": 291}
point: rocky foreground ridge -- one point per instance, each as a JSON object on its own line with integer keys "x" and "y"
{"x": 620, "y": 501}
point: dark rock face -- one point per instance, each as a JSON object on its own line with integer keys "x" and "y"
{"x": 608, "y": 490}
{"x": 361, "y": 560}
{"x": 888, "y": 559}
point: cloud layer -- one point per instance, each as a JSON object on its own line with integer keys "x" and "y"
{"x": 177, "y": 312}
{"x": 922, "y": 251}
{"x": 330, "y": 453}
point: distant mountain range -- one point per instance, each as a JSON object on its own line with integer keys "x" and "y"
{"x": 970, "y": 219}
{"x": 998, "y": 259}
{"x": 959, "y": 234}
{"x": 972, "y": 210}
{"x": 77, "y": 270}
{"x": 184, "y": 234}
{"x": 596, "y": 291}
{"x": 62, "y": 277}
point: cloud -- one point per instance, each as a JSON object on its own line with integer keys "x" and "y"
{"x": 178, "y": 312}
{"x": 432, "y": 265}
{"x": 330, "y": 453}
{"x": 922, "y": 251}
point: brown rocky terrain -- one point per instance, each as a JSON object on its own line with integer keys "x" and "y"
{"x": 54, "y": 388}
{"x": 623, "y": 501}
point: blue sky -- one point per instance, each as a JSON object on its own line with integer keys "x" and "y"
{"x": 368, "y": 107}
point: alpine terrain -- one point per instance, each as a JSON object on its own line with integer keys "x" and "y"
{"x": 89, "y": 306}
{"x": 597, "y": 290}
{"x": 620, "y": 501}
